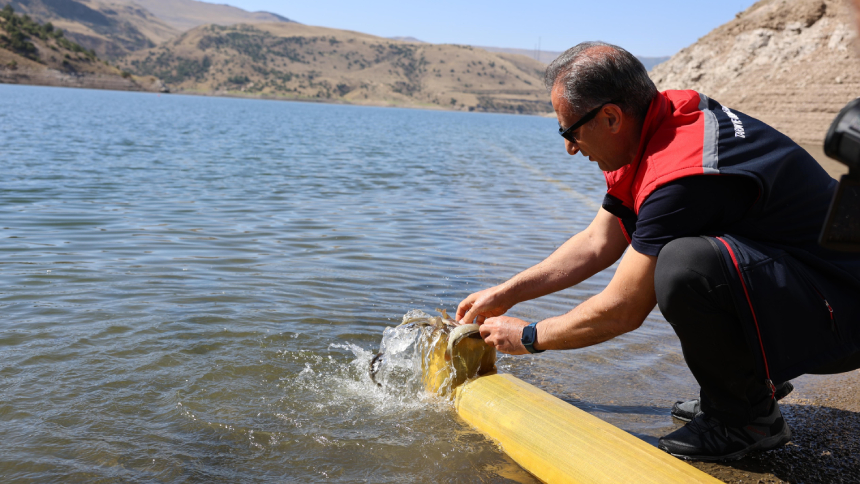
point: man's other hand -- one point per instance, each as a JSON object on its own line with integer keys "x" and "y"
{"x": 482, "y": 305}
{"x": 505, "y": 333}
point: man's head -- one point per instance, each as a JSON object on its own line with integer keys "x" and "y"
{"x": 601, "y": 76}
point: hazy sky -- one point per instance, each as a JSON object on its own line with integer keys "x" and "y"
{"x": 644, "y": 27}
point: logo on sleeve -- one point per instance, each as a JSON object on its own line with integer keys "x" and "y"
{"x": 736, "y": 122}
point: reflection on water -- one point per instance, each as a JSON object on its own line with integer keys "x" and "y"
{"x": 192, "y": 287}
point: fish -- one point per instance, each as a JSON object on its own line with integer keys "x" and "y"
{"x": 451, "y": 353}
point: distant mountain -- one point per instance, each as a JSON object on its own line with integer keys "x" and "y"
{"x": 184, "y": 15}
{"x": 791, "y": 64}
{"x": 113, "y": 28}
{"x": 295, "y": 61}
{"x": 544, "y": 56}
{"x": 547, "y": 56}
{"x": 412, "y": 40}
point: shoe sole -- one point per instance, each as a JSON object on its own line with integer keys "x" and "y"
{"x": 683, "y": 418}
{"x": 769, "y": 443}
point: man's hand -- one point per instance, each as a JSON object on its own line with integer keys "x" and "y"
{"x": 505, "y": 333}
{"x": 483, "y": 304}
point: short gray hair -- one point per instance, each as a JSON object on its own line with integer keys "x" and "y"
{"x": 593, "y": 76}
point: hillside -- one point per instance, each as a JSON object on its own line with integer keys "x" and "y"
{"x": 294, "y": 61}
{"x": 110, "y": 28}
{"x": 31, "y": 53}
{"x": 792, "y": 64}
{"x": 184, "y": 15}
{"x": 114, "y": 28}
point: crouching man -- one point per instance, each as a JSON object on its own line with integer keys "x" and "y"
{"x": 723, "y": 214}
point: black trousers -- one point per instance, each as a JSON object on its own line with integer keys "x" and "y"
{"x": 694, "y": 295}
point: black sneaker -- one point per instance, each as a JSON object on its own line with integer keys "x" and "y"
{"x": 688, "y": 410}
{"x": 707, "y": 439}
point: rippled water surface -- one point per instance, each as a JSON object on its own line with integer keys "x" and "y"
{"x": 192, "y": 287}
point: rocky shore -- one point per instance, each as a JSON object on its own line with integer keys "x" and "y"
{"x": 824, "y": 415}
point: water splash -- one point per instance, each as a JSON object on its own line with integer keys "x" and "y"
{"x": 397, "y": 368}
{"x": 432, "y": 354}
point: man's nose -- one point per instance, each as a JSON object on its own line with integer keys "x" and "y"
{"x": 571, "y": 147}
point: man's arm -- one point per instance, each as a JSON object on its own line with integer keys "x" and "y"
{"x": 582, "y": 256}
{"x": 621, "y": 307}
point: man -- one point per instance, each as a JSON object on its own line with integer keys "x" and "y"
{"x": 722, "y": 213}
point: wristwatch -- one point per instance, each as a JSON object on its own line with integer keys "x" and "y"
{"x": 530, "y": 338}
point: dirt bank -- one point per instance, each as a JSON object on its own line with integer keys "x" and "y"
{"x": 792, "y": 64}
{"x": 51, "y": 77}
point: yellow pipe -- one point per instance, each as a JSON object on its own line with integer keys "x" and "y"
{"x": 557, "y": 442}
{"x": 549, "y": 438}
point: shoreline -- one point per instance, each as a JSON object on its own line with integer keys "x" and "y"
{"x": 54, "y": 78}
{"x": 110, "y": 83}
{"x": 341, "y": 102}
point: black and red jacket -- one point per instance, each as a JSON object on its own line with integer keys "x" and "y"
{"x": 687, "y": 134}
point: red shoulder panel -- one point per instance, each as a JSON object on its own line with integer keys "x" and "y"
{"x": 671, "y": 147}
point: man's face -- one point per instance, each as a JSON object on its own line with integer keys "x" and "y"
{"x": 594, "y": 140}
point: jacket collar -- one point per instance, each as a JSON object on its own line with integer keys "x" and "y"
{"x": 619, "y": 183}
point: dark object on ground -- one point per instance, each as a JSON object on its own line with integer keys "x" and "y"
{"x": 841, "y": 231}
{"x": 690, "y": 409}
{"x": 707, "y": 439}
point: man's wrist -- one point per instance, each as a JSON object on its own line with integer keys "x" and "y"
{"x": 529, "y": 338}
{"x": 506, "y": 291}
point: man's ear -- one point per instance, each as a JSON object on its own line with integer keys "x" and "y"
{"x": 614, "y": 118}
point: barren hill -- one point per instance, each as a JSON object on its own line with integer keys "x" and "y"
{"x": 295, "y": 61}
{"x": 109, "y": 27}
{"x": 31, "y": 53}
{"x": 113, "y": 28}
{"x": 184, "y": 15}
{"x": 791, "y": 63}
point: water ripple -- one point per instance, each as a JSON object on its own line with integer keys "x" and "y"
{"x": 192, "y": 286}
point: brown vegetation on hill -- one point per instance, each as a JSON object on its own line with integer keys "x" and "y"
{"x": 109, "y": 27}
{"x": 294, "y": 61}
{"x": 31, "y": 53}
{"x": 790, "y": 63}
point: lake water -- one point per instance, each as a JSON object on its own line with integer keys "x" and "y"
{"x": 191, "y": 287}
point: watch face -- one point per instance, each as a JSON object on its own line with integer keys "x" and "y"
{"x": 529, "y": 335}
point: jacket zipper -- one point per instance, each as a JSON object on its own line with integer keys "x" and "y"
{"x": 833, "y": 327}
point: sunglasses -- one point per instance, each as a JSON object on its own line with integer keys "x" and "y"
{"x": 568, "y": 133}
